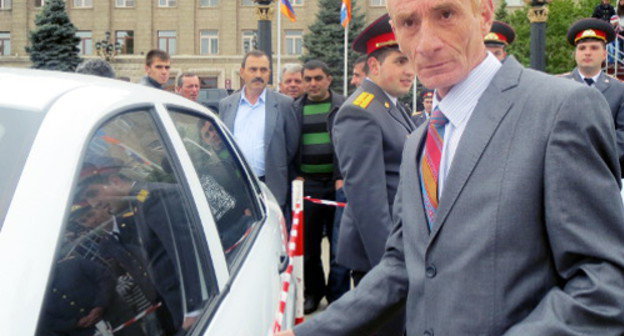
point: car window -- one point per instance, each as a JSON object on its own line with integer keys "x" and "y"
{"x": 131, "y": 256}
{"x": 225, "y": 184}
{"x": 17, "y": 131}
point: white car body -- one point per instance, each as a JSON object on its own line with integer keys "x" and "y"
{"x": 74, "y": 107}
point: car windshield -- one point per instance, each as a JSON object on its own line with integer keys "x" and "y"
{"x": 17, "y": 131}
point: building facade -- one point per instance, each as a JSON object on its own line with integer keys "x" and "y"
{"x": 208, "y": 37}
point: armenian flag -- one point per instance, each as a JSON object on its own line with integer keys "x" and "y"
{"x": 345, "y": 13}
{"x": 287, "y": 10}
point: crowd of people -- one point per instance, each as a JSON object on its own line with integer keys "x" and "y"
{"x": 494, "y": 210}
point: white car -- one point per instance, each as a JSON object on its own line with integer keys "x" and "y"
{"x": 126, "y": 210}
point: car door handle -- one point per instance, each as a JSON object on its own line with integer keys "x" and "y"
{"x": 284, "y": 262}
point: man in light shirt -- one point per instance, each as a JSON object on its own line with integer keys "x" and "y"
{"x": 264, "y": 125}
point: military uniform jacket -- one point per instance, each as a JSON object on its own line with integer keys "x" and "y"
{"x": 529, "y": 230}
{"x": 368, "y": 136}
{"x": 613, "y": 91}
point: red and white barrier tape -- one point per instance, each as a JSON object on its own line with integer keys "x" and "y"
{"x": 138, "y": 317}
{"x": 325, "y": 202}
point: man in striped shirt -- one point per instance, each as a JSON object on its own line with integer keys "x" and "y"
{"x": 315, "y": 165}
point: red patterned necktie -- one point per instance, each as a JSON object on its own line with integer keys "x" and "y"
{"x": 430, "y": 164}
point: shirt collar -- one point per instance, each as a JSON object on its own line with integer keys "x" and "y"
{"x": 595, "y": 78}
{"x": 261, "y": 99}
{"x": 463, "y": 96}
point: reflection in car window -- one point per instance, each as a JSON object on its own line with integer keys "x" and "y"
{"x": 17, "y": 131}
{"x": 225, "y": 185}
{"x": 130, "y": 247}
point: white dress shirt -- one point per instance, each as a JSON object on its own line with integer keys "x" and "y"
{"x": 249, "y": 131}
{"x": 595, "y": 78}
{"x": 458, "y": 105}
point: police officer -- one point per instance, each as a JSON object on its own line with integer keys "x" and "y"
{"x": 590, "y": 37}
{"x": 501, "y": 35}
{"x": 420, "y": 117}
{"x": 368, "y": 134}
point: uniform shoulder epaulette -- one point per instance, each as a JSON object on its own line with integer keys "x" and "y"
{"x": 127, "y": 214}
{"x": 613, "y": 77}
{"x": 142, "y": 195}
{"x": 364, "y": 99}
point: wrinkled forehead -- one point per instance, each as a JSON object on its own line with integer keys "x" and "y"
{"x": 401, "y": 9}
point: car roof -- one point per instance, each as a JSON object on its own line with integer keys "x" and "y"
{"x": 36, "y": 90}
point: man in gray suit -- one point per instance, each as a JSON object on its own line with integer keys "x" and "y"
{"x": 590, "y": 36}
{"x": 264, "y": 125}
{"x": 522, "y": 231}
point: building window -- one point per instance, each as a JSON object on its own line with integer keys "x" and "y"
{"x": 294, "y": 42}
{"x": 296, "y": 2}
{"x": 5, "y": 43}
{"x": 86, "y": 42}
{"x": 39, "y": 3}
{"x": 377, "y": 2}
{"x": 249, "y": 43}
{"x": 5, "y": 4}
{"x": 166, "y": 3}
{"x": 83, "y": 3}
{"x": 124, "y": 3}
{"x": 209, "y": 3}
{"x": 167, "y": 41}
{"x": 125, "y": 39}
{"x": 209, "y": 42}
{"x": 247, "y": 3}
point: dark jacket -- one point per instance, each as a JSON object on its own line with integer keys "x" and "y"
{"x": 149, "y": 82}
{"x": 336, "y": 101}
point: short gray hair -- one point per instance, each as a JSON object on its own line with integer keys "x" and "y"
{"x": 180, "y": 78}
{"x": 291, "y": 68}
{"x": 97, "y": 67}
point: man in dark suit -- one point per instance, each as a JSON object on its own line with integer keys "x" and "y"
{"x": 590, "y": 37}
{"x": 264, "y": 125}
{"x": 508, "y": 217}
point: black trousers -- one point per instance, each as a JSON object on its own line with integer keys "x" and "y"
{"x": 318, "y": 220}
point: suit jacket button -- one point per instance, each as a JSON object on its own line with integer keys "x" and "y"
{"x": 430, "y": 271}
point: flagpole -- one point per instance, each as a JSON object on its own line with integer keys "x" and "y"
{"x": 279, "y": 43}
{"x": 346, "y": 61}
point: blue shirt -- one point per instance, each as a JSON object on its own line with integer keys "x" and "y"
{"x": 249, "y": 131}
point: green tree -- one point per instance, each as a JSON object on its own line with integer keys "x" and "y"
{"x": 559, "y": 54}
{"x": 501, "y": 12}
{"x": 53, "y": 43}
{"x": 325, "y": 41}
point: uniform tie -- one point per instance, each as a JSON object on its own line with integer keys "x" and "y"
{"x": 589, "y": 81}
{"x": 430, "y": 164}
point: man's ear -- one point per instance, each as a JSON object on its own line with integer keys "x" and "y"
{"x": 330, "y": 78}
{"x": 487, "y": 16}
{"x": 147, "y": 67}
{"x": 373, "y": 66}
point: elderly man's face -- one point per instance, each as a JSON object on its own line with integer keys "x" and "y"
{"x": 442, "y": 38}
{"x": 292, "y": 84}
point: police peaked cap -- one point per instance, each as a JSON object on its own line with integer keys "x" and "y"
{"x": 594, "y": 29}
{"x": 376, "y": 36}
{"x": 500, "y": 33}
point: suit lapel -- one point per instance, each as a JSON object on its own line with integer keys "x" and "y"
{"x": 270, "y": 117}
{"x": 484, "y": 121}
{"x": 603, "y": 82}
{"x": 232, "y": 107}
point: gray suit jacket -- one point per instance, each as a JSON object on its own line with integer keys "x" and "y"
{"x": 529, "y": 231}
{"x": 281, "y": 138}
{"x": 368, "y": 143}
{"x": 613, "y": 91}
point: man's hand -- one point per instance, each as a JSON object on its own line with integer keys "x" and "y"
{"x": 92, "y": 318}
{"x": 188, "y": 322}
{"x": 285, "y": 333}
{"x": 339, "y": 184}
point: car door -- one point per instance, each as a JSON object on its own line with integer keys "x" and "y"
{"x": 248, "y": 219}
{"x": 133, "y": 256}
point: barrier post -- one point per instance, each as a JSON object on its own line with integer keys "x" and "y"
{"x": 297, "y": 258}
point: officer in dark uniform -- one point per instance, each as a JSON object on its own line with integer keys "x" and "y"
{"x": 421, "y": 117}
{"x": 590, "y": 37}
{"x": 501, "y": 35}
{"x": 80, "y": 292}
{"x": 368, "y": 133}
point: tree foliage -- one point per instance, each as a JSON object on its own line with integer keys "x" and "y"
{"x": 562, "y": 14}
{"x": 325, "y": 41}
{"x": 53, "y": 43}
{"x": 501, "y": 12}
